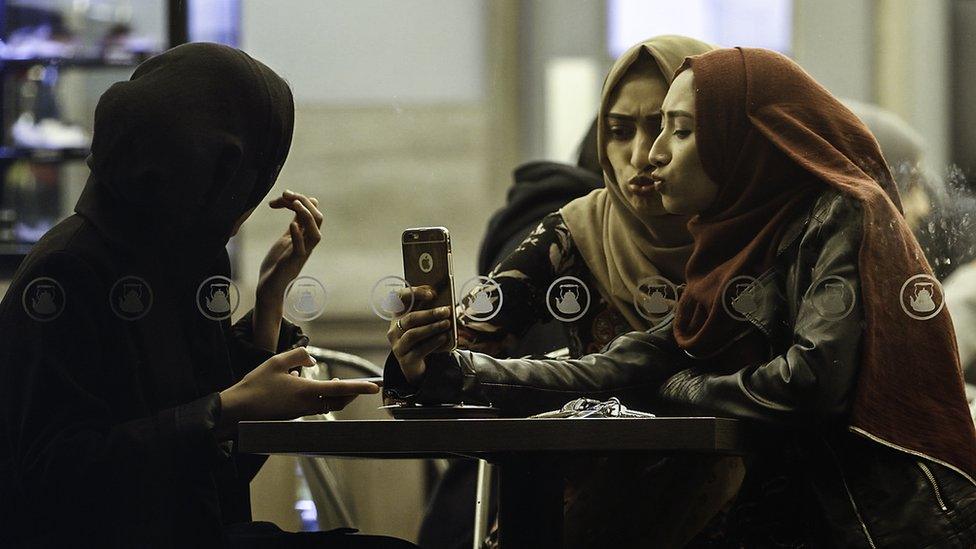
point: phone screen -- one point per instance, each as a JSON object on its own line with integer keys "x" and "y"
{"x": 427, "y": 262}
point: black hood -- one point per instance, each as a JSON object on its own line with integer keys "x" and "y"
{"x": 195, "y": 138}
{"x": 540, "y": 188}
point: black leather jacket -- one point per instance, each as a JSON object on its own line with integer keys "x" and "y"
{"x": 849, "y": 489}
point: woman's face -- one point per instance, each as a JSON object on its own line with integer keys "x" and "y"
{"x": 678, "y": 173}
{"x": 633, "y": 122}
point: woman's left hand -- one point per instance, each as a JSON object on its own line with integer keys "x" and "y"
{"x": 288, "y": 255}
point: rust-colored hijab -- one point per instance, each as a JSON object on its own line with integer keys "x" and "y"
{"x": 773, "y": 140}
{"x": 618, "y": 246}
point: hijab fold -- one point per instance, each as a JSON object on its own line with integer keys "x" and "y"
{"x": 619, "y": 247}
{"x": 774, "y": 140}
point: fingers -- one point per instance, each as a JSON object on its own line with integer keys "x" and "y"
{"x": 310, "y": 204}
{"x": 316, "y": 390}
{"x": 418, "y": 353}
{"x": 346, "y": 387}
{"x": 306, "y": 219}
{"x": 423, "y": 318}
{"x": 289, "y": 360}
{"x": 297, "y": 240}
{"x": 423, "y": 333}
{"x": 414, "y": 337}
{"x": 418, "y": 294}
{"x": 400, "y": 327}
{"x": 307, "y": 214}
{"x": 288, "y": 199}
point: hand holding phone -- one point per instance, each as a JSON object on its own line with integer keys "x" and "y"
{"x": 418, "y": 334}
{"x": 432, "y": 325}
{"x": 427, "y": 262}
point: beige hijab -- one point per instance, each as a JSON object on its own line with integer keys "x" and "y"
{"x": 619, "y": 247}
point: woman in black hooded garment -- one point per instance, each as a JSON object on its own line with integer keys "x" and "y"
{"x": 118, "y": 432}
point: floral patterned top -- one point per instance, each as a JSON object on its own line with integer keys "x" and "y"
{"x": 524, "y": 278}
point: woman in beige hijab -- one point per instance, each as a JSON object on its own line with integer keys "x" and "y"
{"x": 622, "y": 231}
{"x": 630, "y": 253}
{"x": 608, "y": 240}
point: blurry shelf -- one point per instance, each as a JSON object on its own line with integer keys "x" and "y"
{"x": 78, "y": 62}
{"x": 15, "y": 248}
{"x": 11, "y": 256}
{"x": 43, "y": 155}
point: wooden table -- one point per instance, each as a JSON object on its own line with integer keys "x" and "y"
{"x": 530, "y": 487}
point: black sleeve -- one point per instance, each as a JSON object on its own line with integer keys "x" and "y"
{"x": 245, "y": 356}
{"x": 67, "y": 444}
{"x": 813, "y": 380}
{"x": 631, "y": 368}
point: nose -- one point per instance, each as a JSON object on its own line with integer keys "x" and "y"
{"x": 639, "y": 154}
{"x": 658, "y": 155}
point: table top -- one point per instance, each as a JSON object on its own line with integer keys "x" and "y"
{"x": 486, "y": 437}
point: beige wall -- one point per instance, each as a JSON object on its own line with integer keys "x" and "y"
{"x": 377, "y": 171}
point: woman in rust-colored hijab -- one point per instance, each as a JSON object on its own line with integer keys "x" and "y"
{"x": 809, "y": 306}
{"x": 809, "y": 310}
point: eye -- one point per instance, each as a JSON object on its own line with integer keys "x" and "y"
{"x": 681, "y": 134}
{"x": 621, "y": 132}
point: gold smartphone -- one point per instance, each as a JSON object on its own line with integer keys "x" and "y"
{"x": 427, "y": 261}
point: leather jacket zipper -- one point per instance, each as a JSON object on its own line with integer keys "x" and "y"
{"x": 850, "y": 496}
{"x": 935, "y": 487}
{"x": 868, "y": 435}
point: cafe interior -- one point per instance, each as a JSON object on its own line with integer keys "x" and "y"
{"x": 470, "y": 115}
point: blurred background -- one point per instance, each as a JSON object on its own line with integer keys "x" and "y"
{"x": 414, "y": 113}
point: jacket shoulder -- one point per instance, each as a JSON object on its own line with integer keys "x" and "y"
{"x": 831, "y": 211}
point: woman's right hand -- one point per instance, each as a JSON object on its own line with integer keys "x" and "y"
{"x": 415, "y": 335}
{"x": 275, "y": 390}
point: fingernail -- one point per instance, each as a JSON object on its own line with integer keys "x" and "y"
{"x": 288, "y": 191}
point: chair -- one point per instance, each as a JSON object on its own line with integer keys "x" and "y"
{"x": 321, "y": 479}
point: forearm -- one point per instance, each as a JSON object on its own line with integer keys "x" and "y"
{"x": 266, "y": 323}
{"x": 632, "y": 367}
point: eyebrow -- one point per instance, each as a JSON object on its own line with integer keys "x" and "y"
{"x": 677, "y": 113}
{"x": 629, "y": 118}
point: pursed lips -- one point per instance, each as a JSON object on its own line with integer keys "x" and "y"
{"x": 659, "y": 182}
{"x": 643, "y": 186}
